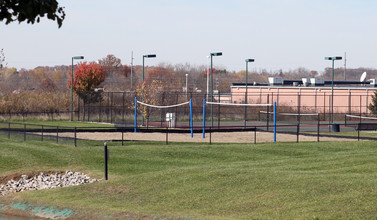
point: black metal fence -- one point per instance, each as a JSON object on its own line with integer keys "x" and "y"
{"x": 73, "y": 136}
{"x": 118, "y": 107}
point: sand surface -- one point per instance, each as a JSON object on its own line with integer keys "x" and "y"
{"x": 216, "y": 137}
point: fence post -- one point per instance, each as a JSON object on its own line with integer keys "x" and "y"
{"x": 106, "y": 160}
{"x": 210, "y": 135}
{"x": 218, "y": 112}
{"x": 42, "y": 132}
{"x": 358, "y": 132}
{"x": 122, "y": 136}
{"x": 123, "y": 109}
{"x": 75, "y": 137}
{"x": 111, "y": 108}
{"x": 8, "y": 130}
{"x": 204, "y": 118}
{"x": 268, "y": 111}
{"x": 255, "y": 135}
{"x": 318, "y": 126}
{"x": 57, "y": 134}
{"x": 298, "y": 132}
{"x": 167, "y": 134}
{"x": 24, "y": 132}
{"x": 274, "y": 121}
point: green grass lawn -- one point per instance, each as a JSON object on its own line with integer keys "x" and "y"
{"x": 325, "y": 180}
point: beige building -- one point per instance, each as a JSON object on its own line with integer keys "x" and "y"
{"x": 305, "y": 97}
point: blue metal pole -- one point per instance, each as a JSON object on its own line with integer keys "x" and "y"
{"x": 135, "y": 123}
{"x": 204, "y": 118}
{"x": 191, "y": 124}
{"x": 274, "y": 121}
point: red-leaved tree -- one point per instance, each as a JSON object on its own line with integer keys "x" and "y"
{"x": 86, "y": 78}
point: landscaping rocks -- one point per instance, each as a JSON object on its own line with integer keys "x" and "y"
{"x": 44, "y": 181}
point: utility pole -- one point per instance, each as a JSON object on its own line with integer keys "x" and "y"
{"x": 132, "y": 63}
{"x": 345, "y": 65}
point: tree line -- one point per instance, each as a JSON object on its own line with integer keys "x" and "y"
{"x": 115, "y": 76}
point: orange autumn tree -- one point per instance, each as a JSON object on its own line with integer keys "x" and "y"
{"x": 86, "y": 78}
{"x": 150, "y": 93}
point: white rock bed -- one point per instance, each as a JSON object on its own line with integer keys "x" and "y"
{"x": 44, "y": 181}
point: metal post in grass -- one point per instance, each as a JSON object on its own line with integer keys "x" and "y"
{"x": 122, "y": 136}
{"x": 75, "y": 136}
{"x": 358, "y": 132}
{"x": 297, "y": 132}
{"x": 8, "y": 130}
{"x": 255, "y": 135}
{"x": 210, "y": 135}
{"x": 24, "y": 132}
{"x": 57, "y": 134}
{"x": 42, "y": 132}
{"x": 167, "y": 133}
{"x": 106, "y": 152}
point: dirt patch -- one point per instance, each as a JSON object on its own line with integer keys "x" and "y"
{"x": 17, "y": 176}
{"x": 215, "y": 137}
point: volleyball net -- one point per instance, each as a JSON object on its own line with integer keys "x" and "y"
{"x": 153, "y": 115}
{"x": 356, "y": 119}
{"x": 234, "y": 115}
{"x": 287, "y": 117}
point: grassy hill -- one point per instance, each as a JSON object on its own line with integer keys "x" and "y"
{"x": 327, "y": 180}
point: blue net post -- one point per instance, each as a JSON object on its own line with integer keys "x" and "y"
{"x": 274, "y": 121}
{"x": 135, "y": 123}
{"x": 204, "y": 118}
{"x": 191, "y": 124}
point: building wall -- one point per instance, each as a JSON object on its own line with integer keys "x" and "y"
{"x": 308, "y": 99}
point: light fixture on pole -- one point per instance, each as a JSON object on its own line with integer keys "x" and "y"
{"x": 142, "y": 98}
{"x": 247, "y": 62}
{"x": 73, "y": 58}
{"x": 212, "y": 55}
{"x": 332, "y": 85}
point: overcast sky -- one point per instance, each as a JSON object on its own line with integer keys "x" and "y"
{"x": 278, "y": 34}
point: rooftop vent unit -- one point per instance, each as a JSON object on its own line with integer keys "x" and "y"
{"x": 274, "y": 81}
{"x": 317, "y": 82}
{"x": 373, "y": 82}
{"x": 306, "y": 81}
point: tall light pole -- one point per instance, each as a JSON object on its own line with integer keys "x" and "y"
{"x": 208, "y": 57}
{"x": 142, "y": 98}
{"x": 247, "y": 62}
{"x": 332, "y": 85}
{"x": 132, "y": 65}
{"x": 212, "y": 55}
{"x": 73, "y": 58}
{"x": 186, "y": 85}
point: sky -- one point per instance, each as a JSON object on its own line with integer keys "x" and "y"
{"x": 278, "y": 34}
